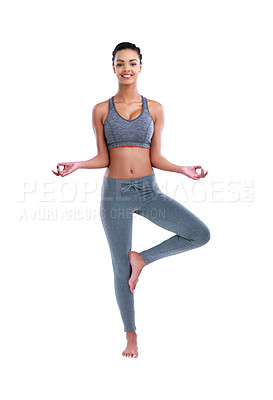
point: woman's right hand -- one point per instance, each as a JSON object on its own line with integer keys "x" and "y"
{"x": 69, "y": 167}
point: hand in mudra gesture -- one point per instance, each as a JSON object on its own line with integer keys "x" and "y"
{"x": 69, "y": 167}
{"x": 192, "y": 173}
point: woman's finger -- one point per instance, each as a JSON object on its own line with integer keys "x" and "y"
{"x": 59, "y": 171}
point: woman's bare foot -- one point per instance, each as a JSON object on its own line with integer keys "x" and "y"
{"x": 137, "y": 264}
{"x": 131, "y": 349}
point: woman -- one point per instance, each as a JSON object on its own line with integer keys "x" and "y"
{"x": 128, "y": 132}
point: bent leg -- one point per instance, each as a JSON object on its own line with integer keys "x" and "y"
{"x": 117, "y": 223}
{"x": 171, "y": 215}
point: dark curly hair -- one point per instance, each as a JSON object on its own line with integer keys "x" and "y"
{"x": 126, "y": 45}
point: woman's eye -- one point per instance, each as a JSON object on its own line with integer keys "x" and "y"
{"x": 119, "y": 65}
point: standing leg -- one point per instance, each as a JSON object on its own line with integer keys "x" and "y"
{"x": 117, "y": 220}
{"x": 169, "y": 214}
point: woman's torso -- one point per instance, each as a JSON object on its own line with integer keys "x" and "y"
{"x": 128, "y": 161}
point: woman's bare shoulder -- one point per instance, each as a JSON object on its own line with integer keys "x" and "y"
{"x": 155, "y": 108}
{"x": 101, "y": 106}
{"x": 154, "y": 103}
{"x": 101, "y": 110}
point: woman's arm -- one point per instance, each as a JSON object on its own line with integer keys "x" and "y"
{"x": 157, "y": 159}
{"x": 101, "y": 160}
{"x": 95, "y": 162}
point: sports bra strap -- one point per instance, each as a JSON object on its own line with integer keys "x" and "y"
{"x": 145, "y": 105}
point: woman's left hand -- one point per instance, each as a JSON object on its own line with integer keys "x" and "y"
{"x": 191, "y": 172}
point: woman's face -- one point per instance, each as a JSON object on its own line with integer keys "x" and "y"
{"x": 127, "y": 66}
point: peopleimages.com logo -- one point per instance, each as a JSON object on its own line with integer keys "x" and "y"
{"x": 51, "y": 200}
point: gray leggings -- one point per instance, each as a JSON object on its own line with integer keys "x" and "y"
{"x": 120, "y": 198}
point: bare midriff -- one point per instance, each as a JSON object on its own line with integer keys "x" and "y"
{"x": 129, "y": 162}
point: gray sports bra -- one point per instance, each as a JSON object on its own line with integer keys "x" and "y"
{"x": 119, "y": 131}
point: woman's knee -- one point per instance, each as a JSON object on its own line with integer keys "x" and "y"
{"x": 202, "y": 235}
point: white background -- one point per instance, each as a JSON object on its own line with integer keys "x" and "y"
{"x": 204, "y": 318}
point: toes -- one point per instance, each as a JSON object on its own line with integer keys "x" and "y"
{"x": 129, "y": 355}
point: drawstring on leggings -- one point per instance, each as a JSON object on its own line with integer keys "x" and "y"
{"x": 133, "y": 184}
